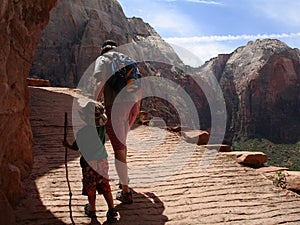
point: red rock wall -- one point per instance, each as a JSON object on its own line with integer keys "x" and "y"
{"x": 21, "y": 25}
{"x": 262, "y": 86}
{"x": 72, "y": 40}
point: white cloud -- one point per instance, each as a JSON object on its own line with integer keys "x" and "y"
{"x": 179, "y": 40}
{"x": 205, "y": 2}
{"x": 195, "y": 54}
{"x": 204, "y": 48}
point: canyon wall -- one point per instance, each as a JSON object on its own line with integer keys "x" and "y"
{"x": 21, "y": 24}
{"x": 72, "y": 40}
{"x": 261, "y": 86}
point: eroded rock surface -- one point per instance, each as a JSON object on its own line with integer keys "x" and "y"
{"x": 21, "y": 25}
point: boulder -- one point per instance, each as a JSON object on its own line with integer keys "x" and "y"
{"x": 252, "y": 159}
{"x": 293, "y": 180}
{"x": 199, "y": 137}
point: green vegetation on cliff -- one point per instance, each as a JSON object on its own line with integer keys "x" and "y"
{"x": 283, "y": 155}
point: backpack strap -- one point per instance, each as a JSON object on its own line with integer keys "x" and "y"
{"x": 124, "y": 73}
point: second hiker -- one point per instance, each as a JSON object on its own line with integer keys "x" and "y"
{"x": 121, "y": 104}
{"x": 93, "y": 161}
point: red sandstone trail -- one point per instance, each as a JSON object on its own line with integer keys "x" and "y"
{"x": 223, "y": 193}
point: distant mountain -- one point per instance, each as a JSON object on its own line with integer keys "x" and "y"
{"x": 72, "y": 40}
{"x": 260, "y": 82}
{"x": 261, "y": 86}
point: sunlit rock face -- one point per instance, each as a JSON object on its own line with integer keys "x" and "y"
{"x": 72, "y": 40}
{"x": 261, "y": 84}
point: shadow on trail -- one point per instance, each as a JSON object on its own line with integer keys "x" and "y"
{"x": 47, "y": 121}
{"x": 146, "y": 209}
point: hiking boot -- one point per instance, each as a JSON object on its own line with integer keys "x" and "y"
{"x": 124, "y": 198}
{"x": 112, "y": 215}
{"x": 91, "y": 214}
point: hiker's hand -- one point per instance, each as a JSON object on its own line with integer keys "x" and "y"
{"x": 102, "y": 120}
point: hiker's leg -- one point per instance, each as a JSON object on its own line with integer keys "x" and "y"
{"x": 117, "y": 128}
{"x": 128, "y": 119}
{"x": 109, "y": 200}
{"x": 104, "y": 186}
{"x": 92, "y": 201}
{"x": 88, "y": 188}
{"x": 120, "y": 151}
{"x": 111, "y": 214}
{"x": 121, "y": 155}
{"x": 121, "y": 167}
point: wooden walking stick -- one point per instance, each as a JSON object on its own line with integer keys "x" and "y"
{"x": 66, "y": 166}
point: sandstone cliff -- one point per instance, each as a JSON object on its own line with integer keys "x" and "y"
{"x": 21, "y": 24}
{"x": 261, "y": 85}
{"x": 73, "y": 38}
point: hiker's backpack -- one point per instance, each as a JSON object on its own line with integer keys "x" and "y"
{"x": 125, "y": 74}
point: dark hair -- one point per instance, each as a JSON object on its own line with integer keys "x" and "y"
{"x": 109, "y": 42}
{"x": 107, "y": 46}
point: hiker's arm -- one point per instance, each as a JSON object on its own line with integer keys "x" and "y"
{"x": 100, "y": 76}
{"x": 99, "y": 88}
{"x": 74, "y": 146}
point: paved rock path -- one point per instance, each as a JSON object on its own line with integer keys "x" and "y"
{"x": 175, "y": 183}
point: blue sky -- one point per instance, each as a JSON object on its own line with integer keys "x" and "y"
{"x": 207, "y": 28}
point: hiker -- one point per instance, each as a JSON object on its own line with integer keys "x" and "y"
{"x": 93, "y": 161}
{"x": 122, "y": 108}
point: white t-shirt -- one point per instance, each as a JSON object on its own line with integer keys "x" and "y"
{"x": 104, "y": 69}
